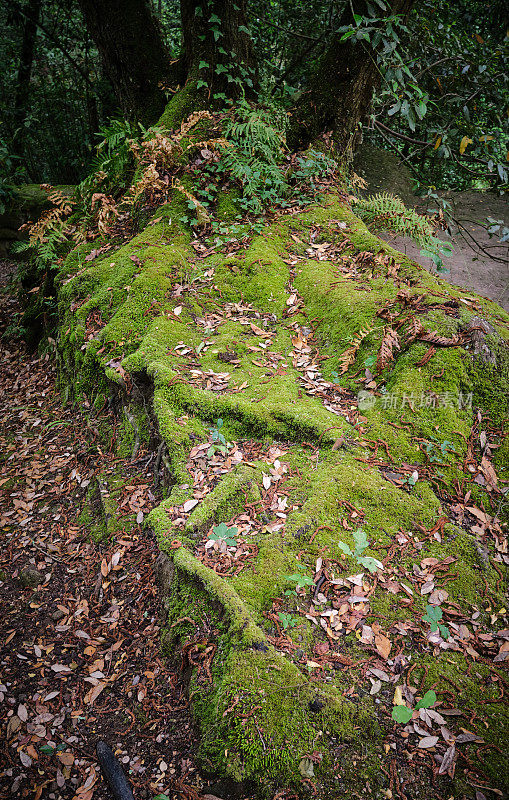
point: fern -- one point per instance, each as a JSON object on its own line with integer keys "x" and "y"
{"x": 113, "y": 163}
{"x": 347, "y": 358}
{"x": 253, "y": 154}
{"x": 390, "y": 211}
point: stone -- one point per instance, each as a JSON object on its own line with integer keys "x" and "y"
{"x": 30, "y": 578}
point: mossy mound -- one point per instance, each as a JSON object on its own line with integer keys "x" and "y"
{"x": 347, "y": 394}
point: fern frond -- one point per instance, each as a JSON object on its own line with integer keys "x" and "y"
{"x": 347, "y": 358}
{"x": 390, "y": 342}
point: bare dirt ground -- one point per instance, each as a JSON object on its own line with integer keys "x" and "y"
{"x": 479, "y": 262}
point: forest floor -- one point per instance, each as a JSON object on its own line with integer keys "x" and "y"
{"x": 478, "y": 263}
{"x": 71, "y": 623}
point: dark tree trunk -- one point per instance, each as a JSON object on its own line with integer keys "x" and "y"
{"x": 217, "y": 60}
{"x": 209, "y": 28}
{"x": 341, "y": 88}
{"x": 135, "y": 58}
{"x": 31, "y": 13}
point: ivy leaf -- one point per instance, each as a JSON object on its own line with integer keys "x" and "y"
{"x": 444, "y": 632}
{"x": 433, "y": 615}
{"x": 373, "y": 564}
{"x": 203, "y": 65}
{"x": 222, "y": 531}
{"x": 428, "y": 700}
{"x": 345, "y": 549}
{"x": 402, "y": 714}
{"x": 361, "y": 540}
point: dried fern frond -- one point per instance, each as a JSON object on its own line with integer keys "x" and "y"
{"x": 108, "y": 210}
{"x": 201, "y": 212}
{"x": 53, "y": 220}
{"x": 190, "y": 122}
{"x": 347, "y": 358}
{"x": 210, "y": 144}
{"x": 390, "y": 342}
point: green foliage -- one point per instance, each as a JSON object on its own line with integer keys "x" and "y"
{"x": 220, "y": 444}
{"x": 390, "y": 212}
{"x": 255, "y": 148}
{"x": 403, "y": 714}
{"x": 113, "y": 164}
{"x": 287, "y": 620}
{"x": 361, "y": 544}
{"x": 10, "y": 168}
{"x": 223, "y": 533}
{"x": 299, "y": 581}
{"x": 437, "y": 451}
{"x": 433, "y": 615}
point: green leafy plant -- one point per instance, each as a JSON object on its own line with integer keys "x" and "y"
{"x": 403, "y": 714}
{"x": 433, "y": 615}
{"x": 287, "y": 620}
{"x": 390, "y": 212}
{"x": 252, "y": 155}
{"x": 219, "y": 441}
{"x": 299, "y": 580}
{"x": 437, "y": 451}
{"x": 222, "y": 533}
{"x": 369, "y": 563}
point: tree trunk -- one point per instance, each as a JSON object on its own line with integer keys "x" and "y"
{"x": 215, "y": 33}
{"x": 341, "y": 88}
{"x": 135, "y": 58}
{"x": 218, "y": 58}
{"x": 32, "y": 12}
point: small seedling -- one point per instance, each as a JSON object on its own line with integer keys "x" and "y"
{"x": 437, "y": 451}
{"x": 433, "y": 615}
{"x": 219, "y": 442}
{"x": 222, "y": 537}
{"x": 412, "y": 479}
{"x": 404, "y": 714}
{"x": 300, "y": 581}
{"x": 287, "y": 620}
{"x": 372, "y": 564}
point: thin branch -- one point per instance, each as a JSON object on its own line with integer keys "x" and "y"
{"x": 402, "y": 135}
{"x": 55, "y": 41}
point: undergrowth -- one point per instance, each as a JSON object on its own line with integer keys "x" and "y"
{"x": 387, "y": 211}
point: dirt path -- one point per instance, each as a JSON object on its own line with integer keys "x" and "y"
{"x": 80, "y": 622}
{"x": 479, "y": 262}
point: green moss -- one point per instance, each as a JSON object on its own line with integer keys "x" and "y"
{"x": 136, "y": 290}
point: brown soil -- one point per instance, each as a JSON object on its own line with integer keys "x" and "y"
{"x": 93, "y": 624}
{"x": 479, "y": 262}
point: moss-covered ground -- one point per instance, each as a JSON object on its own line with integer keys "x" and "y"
{"x": 295, "y": 644}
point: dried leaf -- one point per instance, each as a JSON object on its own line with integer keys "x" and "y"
{"x": 390, "y": 342}
{"x": 428, "y": 741}
{"x": 448, "y": 760}
{"x": 383, "y": 645}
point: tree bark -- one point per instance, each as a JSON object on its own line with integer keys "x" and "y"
{"x": 26, "y": 61}
{"x": 215, "y": 33}
{"x": 135, "y": 58}
{"x": 341, "y": 88}
{"x": 218, "y": 60}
